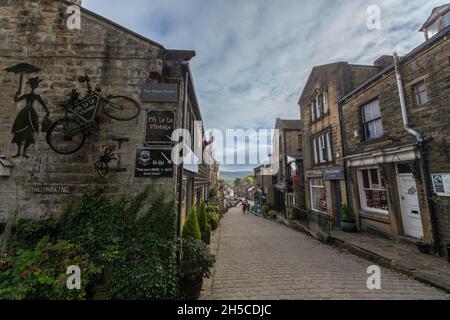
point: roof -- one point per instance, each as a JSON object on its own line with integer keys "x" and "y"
{"x": 287, "y": 124}
{"x": 443, "y": 34}
{"x": 95, "y": 15}
{"x": 435, "y": 14}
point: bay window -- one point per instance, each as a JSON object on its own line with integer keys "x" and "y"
{"x": 372, "y": 190}
{"x": 318, "y": 195}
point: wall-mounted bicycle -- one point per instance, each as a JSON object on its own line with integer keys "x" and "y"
{"x": 68, "y": 134}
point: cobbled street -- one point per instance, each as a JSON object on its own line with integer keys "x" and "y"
{"x": 262, "y": 259}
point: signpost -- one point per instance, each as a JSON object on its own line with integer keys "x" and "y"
{"x": 154, "y": 163}
{"x": 159, "y": 92}
{"x": 159, "y": 125}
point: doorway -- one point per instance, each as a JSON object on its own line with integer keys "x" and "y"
{"x": 409, "y": 203}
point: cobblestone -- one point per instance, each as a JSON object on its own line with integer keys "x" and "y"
{"x": 261, "y": 259}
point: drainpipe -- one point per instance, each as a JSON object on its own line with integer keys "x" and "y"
{"x": 423, "y": 161}
{"x": 181, "y": 166}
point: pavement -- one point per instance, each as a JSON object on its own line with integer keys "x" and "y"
{"x": 259, "y": 259}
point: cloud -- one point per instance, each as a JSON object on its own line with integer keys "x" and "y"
{"x": 254, "y": 56}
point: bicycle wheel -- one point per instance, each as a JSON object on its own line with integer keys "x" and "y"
{"x": 121, "y": 108}
{"x": 66, "y": 136}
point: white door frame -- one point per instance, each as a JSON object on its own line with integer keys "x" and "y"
{"x": 403, "y": 214}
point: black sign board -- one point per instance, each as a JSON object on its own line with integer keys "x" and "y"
{"x": 154, "y": 163}
{"x": 335, "y": 173}
{"x": 159, "y": 125}
{"x": 159, "y": 92}
{"x": 87, "y": 108}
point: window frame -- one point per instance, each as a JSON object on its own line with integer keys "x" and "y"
{"x": 322, "y": 151}
{"x": 365, "y": 123}
{"x": 311, "y": 187}
{"x": 416, "y": 93}
{"x": 362, "y": 190}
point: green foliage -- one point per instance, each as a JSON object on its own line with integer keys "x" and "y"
{"x": 191, "y": 228}
{"x": 213, "y": 220}
{"x": 346, "y": 213}
{"x": 27, "y": 233}
{"x": 272, "y": 214}
{"x": 40, "y": 273}
{"x": 203, "y": 218}
{"x": 197, "y": 260}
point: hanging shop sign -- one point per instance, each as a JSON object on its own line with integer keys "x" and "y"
{"x": 441, "y": 184}
{"x": 159, "y": 125}
{"x": 334, "y": 173}
{"x": 48, "y": 189}
{"x": 159, "y": 92}
{"x": 154, "y": 163}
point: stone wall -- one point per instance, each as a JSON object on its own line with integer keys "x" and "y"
{"x": 120, "y": 61}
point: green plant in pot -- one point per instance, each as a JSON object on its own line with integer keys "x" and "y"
{"x": 348, "y": 223}
{"x": 205, "y": 227}
{"x": 424, "y": 244}
{"x": 196, "y": 264}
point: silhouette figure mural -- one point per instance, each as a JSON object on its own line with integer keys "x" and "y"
{"x": 26, "y": 124}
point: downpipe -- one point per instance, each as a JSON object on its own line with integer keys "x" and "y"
{"x": 422, "y": 151}
{"x": 181, "y": 166}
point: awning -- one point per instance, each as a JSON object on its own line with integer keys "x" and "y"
{"x": 399, "y": 154}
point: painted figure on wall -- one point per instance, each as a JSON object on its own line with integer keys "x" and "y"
{"x": 26, "y": 124}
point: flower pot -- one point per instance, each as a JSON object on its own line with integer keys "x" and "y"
{"x": 191, "y": 288}
{"x": 349, "y": 226}
{"x": 206, "y": 237}
{"x": 423, "y": 247}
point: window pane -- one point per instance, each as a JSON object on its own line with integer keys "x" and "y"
{"x": 376, "y": 113}
{"x": 330, "y": 155}
{"x": 447, "y": 19}
{"x": 365, "y": 175}
{"x": 376, "y": 199}
{"x": 421, "y": 93}
{"x": 378, "y": 128}
{"x": 374, "y": 177}
{"x": 318, "y": 196}
{"x": 433, "y": 29}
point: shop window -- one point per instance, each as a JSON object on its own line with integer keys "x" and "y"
{"x": 420, "y": 93}
{"x": 372, "y": 190}
{"x": 371, "y": 118}
{"x": 318, "y": 195}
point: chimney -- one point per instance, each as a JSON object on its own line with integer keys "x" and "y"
{"x": 75, "y": 2}
{"x": 384, "y": 61}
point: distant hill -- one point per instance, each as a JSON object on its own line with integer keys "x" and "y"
{"x": 230, "y": 176}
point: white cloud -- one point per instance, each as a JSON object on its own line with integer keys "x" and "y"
{"x": 254, "y": 56}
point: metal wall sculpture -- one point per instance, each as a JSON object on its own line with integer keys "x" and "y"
{"x": 68, "y": 134}
{"x": 102, "y": 165}
{"x": 26, "y": 124}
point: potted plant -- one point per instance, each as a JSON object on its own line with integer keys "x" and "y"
{"x": 424, "y": 244}
{"x": 348, "y": 223}
{"x": 196, "y": 264}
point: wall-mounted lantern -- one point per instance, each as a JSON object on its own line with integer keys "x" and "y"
{"x": 5, "y": 167}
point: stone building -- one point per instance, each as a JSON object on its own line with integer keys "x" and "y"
{"x": 399, "y": 162}
{"x": 39, "y": 181}
{"x": 325, "y": 186}
{"x": 263, "y": 187}
{"x": 290, "y": 161}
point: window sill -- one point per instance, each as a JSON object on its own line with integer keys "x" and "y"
{"x": 377, "y": 216}
{"x": 370, "y": 141}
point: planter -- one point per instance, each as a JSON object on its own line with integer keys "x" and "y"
{"x": 349, "y": 226}
{"x": 206, "y": 237}
{"x": 191, "y": 288}
{"x": 423, "y": 247}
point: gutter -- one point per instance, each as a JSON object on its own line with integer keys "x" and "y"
{"x": 421, "y": 143}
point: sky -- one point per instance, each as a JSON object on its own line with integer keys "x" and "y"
{"x": 254, "y": 56}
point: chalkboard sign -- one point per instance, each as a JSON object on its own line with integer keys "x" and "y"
{"x": 87, "y": 108}
{"x": 154, "y": 163}
{"x": 159, "y": 125}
